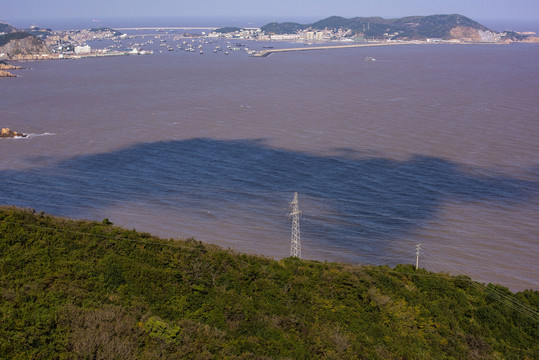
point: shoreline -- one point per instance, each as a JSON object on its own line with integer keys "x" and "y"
{"x": 4, "y": 67}
{"x": 215, "y": 246}
{"x": 262, "y": 53}
{"x": 39, "y": 57}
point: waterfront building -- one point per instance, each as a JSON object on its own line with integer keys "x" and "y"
{"x": 84, "y": 49}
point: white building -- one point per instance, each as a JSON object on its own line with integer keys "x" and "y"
{"x": 314, "y": 35}
{"x": 86, "y": 49}
{"x": 284, "y": 37}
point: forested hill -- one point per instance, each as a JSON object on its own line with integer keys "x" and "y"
{"x": 412, "y": 27}
{"x": 90, "y": 290}
{"x": 6, "y": 28}
{"x": 5, "y": 39}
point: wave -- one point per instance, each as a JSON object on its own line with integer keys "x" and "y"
{"x": 36, "y": 135}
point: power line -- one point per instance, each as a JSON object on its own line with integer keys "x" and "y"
{"x": 399, "y": 243}
{"x": 109, "y": 197}
{"x": 123, "y": 212}
{"x": 163, "y": 243}
{"x": 494, "y": 292}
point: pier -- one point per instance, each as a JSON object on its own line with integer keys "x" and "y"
{"x": 268, "y": 52}
{"x": 169, "y": 28}
{"x": 177, "y": 28}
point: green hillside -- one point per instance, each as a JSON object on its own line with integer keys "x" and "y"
{"x": 411, "y": 27}
{"x": 90, "y": 290}
{"x": 6, "y": 28}
{"x": 227, "y": 29}
{"x": 283, "y": 28}
{"x": 4, "y": 39}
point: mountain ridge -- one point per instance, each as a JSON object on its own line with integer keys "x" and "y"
{"x": 405, "y": 28}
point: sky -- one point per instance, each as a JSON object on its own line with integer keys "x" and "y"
{"x": 279, "y": 10}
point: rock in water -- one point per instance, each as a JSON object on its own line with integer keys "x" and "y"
{"x": 6, "y": 74}
{"x": 8, "y": 133}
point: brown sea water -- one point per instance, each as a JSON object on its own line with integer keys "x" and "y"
{"x": 429, "y": 144}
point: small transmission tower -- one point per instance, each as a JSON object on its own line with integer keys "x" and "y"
{"x": 295, "y": 244}
{"x": 417, "y": 253}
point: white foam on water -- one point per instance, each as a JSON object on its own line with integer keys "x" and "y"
{"x": 44, "y": 134}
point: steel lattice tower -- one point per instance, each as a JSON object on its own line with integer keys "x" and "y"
{"x": 295, "y": 244}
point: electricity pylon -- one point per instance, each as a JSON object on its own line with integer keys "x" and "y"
{"x": 295, "y": 244}
{"x": 417, "y": 253}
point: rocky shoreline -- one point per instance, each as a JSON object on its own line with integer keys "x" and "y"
{"x": 6, "y": 74}
{"x": 8, "y": 133}
{"x": 5, "y": 66}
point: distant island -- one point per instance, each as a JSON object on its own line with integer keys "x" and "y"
{"x": 408, "y": 28}
{"x": 454, "y": 27}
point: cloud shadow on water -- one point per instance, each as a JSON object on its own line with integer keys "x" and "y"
{"x": 366, "y": 199}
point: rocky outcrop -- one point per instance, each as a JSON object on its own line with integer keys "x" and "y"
{"x": 4, "y": 66}
{"x": 8, "y": 133}
{"x": 22, "y": 45}
{"x": 6, "y": 74}
{"x": 465, "y": 33}
{"x": 531, "y": 40}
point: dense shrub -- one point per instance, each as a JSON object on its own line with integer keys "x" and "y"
{"x": 77, "y": 289}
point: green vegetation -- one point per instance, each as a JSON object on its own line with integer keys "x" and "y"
{"x": 6, "y": 28}
{"x": 514, "y": 36}
{"x": 227, "y": 29}
{"x": 41, "y": 33}
{"x": 4, "y": 39}
{"x": 90, "y": 290}
{"x": 283, "y": 28}
{"x": 105, "y": 29}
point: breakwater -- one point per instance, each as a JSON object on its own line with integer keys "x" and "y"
{"x": 268, "y": 52}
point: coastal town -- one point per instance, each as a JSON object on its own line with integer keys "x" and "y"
{"x": 38, "y": 43}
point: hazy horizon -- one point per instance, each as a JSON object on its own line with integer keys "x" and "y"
{"x": 500, "y": 24}
{"x": 278, "y": 9}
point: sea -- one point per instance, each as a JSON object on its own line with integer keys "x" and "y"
{"x": 398, "y": 154}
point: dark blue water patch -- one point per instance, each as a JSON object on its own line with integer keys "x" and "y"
{"x": 369, "y": 202}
